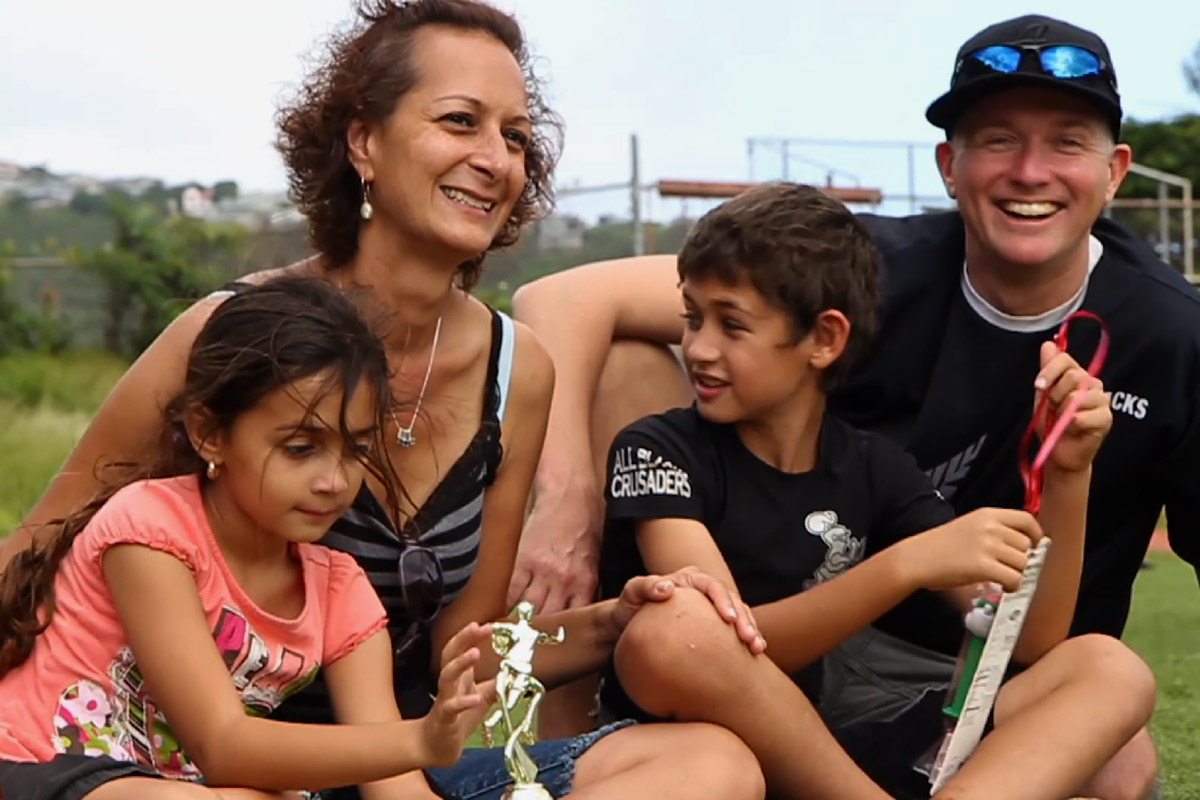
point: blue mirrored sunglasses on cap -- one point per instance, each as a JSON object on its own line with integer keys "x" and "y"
{"x": 1060, "y": 60}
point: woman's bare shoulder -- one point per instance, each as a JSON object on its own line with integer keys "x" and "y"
{"x": 307, "y": 266}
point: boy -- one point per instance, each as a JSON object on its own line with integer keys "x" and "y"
{"x": 823, "y": 528}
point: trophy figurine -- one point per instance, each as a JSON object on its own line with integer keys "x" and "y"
{"x": 515, "y": 642}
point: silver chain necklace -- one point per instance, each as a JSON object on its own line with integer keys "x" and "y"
{"x": 404, "y": 435}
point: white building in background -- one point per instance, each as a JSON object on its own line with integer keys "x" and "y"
{"x": 196, "y": 202}
{"x": 132, "y": 186}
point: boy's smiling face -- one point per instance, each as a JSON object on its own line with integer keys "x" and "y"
{"x": 741, "y": 352}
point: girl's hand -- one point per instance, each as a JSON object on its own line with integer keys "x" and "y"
{"x": 461, "y": 703}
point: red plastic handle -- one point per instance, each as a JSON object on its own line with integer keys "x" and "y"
{"x": 1045, "y": 419}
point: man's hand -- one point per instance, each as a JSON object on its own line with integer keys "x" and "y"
{"x": 560, "y": 549}
{"x": 659, "y": 588}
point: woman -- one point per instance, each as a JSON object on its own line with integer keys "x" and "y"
{"x": 421, "y": 143}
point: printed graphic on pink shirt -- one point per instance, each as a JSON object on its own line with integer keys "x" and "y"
{"x": 263, "y": 680}
{"x": 128, "y": 726}
{"x": 84, "y": 724}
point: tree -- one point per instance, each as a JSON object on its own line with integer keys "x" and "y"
{"x": 12, "y": 331}
{"x": 156, "y": 195}
{"x": 85, "y": 202}
{"x": 154, "y": 266}
{"x": 21, "y": 329}
{"x": 17, "y": 203}
{"x": 1169, "y": 145}
{"x": 1191, "y": 71}
{"x": 225, "y": 190}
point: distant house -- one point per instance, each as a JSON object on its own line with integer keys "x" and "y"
{"x": 256, "y": 210}
{"x": 84, "y": 183}
{"x": 134, "y": 187}
{"x": 196, "y": 201}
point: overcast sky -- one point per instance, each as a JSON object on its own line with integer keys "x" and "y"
{"x": 186, "y": 91}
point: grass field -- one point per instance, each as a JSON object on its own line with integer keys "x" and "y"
{"x": 45, "y": 405}
{"x": 1164, "y": 628}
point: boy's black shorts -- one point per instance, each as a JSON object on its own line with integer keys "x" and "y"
{"x": 64, "y": 777}
{"x": 887, "y": 751}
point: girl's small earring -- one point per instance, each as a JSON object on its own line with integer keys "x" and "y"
{"x": 213, "y": 471}
{"x": 366, "y": 210}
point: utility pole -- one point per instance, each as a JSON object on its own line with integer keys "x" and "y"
{"x": 635, "y": 199}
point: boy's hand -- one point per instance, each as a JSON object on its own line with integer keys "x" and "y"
{"x": 659, "y": 588}
{"x": 461, "y": 703}
{"x": 1059, "y": 378}
{"x": 988, "y": 544}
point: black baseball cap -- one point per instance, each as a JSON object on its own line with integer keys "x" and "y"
{"x": 1032, "y": 36}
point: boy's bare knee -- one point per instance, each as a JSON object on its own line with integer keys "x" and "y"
{"x": 660, "y": 649}
{"x": 686, "y": 625}
{"x": 1114, "y": 662}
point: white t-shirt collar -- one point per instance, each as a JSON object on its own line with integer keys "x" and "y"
{"x": 1038, "y": 322}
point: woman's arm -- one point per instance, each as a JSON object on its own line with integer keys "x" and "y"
{"x": 522, "y": 431}
{"x": 160, "y": 611}
{"x": 576, "y": 314}
{"x": 125, "y": 428}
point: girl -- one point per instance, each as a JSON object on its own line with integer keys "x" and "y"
{"x": 150, "y": 634}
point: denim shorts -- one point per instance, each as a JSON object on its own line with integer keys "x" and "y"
{"x": 482, "y": 775}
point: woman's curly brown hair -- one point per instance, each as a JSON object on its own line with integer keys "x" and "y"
{"x": 365, "y": 72}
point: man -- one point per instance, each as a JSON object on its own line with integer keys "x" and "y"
{"x": 1031, "y": 157}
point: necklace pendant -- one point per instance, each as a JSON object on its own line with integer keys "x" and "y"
{"x": 405, "y": 437}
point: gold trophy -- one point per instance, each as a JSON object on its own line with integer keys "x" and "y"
{"x": 515, "y": 642}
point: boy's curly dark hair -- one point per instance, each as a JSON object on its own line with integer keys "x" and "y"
{"x": 365, "y": 72}
{"x": 802, "y": 250}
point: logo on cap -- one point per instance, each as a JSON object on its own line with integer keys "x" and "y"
{"x": 1035, "y": 33}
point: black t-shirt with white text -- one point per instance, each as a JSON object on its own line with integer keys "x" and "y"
{"x": 953, "y": 384}
{"x": 780, "y": 533}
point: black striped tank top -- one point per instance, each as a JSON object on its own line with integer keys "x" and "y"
{"x": 449, "y": 522}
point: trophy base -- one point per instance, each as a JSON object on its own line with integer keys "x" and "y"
{"x": 527, "y": 791}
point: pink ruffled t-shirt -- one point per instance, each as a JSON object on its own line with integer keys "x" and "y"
{"x": 81, "y": 691}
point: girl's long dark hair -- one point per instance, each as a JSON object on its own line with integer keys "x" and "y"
{"x": 261, "y": 339}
